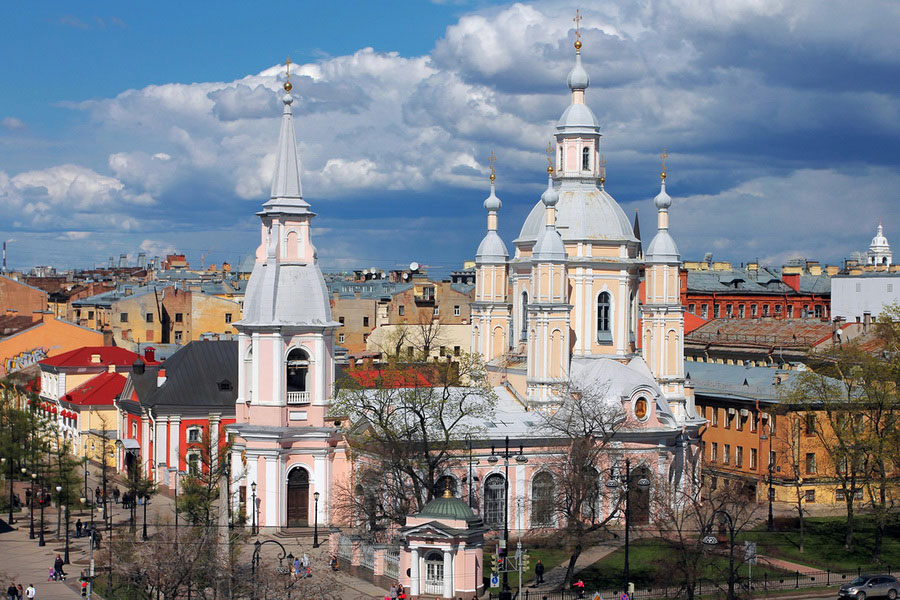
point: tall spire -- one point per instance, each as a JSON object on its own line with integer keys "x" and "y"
{"x": 287, "y": 193}
{"x": 492, "y": 249}
{"x": 662, "y": 247}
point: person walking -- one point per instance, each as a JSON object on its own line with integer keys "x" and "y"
{"x": 539, "y": 572}
{"x": 30, "y": 591}
{"x": 116, "y": 494}
{"x": 11, "y": 592}
{"x": 20, "y": 591}
{"x": 58, "y": 568}
{"x": 78, "y": 527}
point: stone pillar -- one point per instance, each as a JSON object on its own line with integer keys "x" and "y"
{"x": 175, "y": 443}
{"x": 448, "y": 574}
{"x": 415, "y": 583}
{"x": 355, "y": 552}
{"x": 378, "y": 566}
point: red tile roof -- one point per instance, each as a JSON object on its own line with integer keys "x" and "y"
{"x": 82, "y": 357}
{"x": 391, "y": 378}
{"x": 692, "y": 322}
{"x": 101, "y": 389}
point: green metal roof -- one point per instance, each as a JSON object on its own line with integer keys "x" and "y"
{"x": 448, "y": 508}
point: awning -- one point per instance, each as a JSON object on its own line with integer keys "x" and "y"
{"x": 129, "y": 444}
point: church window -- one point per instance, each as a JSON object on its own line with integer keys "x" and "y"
{"x": 729, "y": 312}
{"x": 704, "y": 311}
{"x": 604, "y": 328}
{"x": 524, "y": 317}
{"x": 542, "y": 500}
{"x": 586, "y": 159}
{"x": 692, "y": 308}
{"x": 494, "y": 491}
{"x": 742, "y": 311}
{"x": 765, "y": 312}
{"x": 297, "y": 370}
{"x": 753, "y": 310}
{"x": 819, "y": 311}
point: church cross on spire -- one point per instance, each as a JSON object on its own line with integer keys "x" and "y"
{"x": 492, "y": 160}
{"x": 602, "y": 170}
{"x": 577, "y": 21}
{"x": 287, "y": 84}
{"x": 664, "y": 155}
{"x": 550, "y": 158}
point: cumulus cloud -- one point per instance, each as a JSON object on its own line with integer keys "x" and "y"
{"x": 768, "y": 107}
{"x": 12, "y": 123}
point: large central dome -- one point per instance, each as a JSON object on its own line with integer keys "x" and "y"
{"x": 585, "y": 212}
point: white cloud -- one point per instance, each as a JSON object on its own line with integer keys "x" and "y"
{"x": 12, "y": 123}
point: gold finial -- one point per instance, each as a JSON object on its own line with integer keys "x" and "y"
{"x": 492, "y": 160}
{"x": 577, "y": 20}
{"x": 663, "y": 156}
{"x": 447, "y": 492}
{"x": 602, "y": 169}
{"x": 550, "y": 158}
{"x": 287, "y": 84}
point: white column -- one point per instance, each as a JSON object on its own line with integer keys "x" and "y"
{"x": 175, "y": 443}
{"x": 520, "y": 497}
{"x": 161, "y": 447}
{"x": 253, "y": 395}
{"x": 146, "y": 456}
{"x": 414, "y": 578}
{"x": 448, "y": 574}
{"x": 320, "y": 485}
{"x": 214, "y": 437}
{"x": 273, "y": 486}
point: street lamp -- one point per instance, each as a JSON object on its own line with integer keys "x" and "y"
{"x": 254, "y": 562}
{"x": 41, "y": 541}
{"x": 146, "y": 502}
{"x": 506, "y": 593}
{"x": 625, "y": 478}
{"x": 4, "y": 461}
{"x": 316, "y": 521}
{"x": 770, "y": 523}
{"x": 66, "y": 558}
{"x": 253, "y": 508}
{"x": 58, "y": 509}
{"x": 711, "y": 540}
{"x": 31, "y": 527}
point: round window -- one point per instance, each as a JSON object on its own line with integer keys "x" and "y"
{"x": 640, "y": 408}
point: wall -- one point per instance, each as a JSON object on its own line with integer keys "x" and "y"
{"x": 853, "y": 296}
{"x": 52, "y": 336}
{"x": 21, "y": 298}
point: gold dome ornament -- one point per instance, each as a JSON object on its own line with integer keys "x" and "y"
{"x": 663, "y": 156}
{"x": 492, "y": 160}
{"x": 287, "y": 86}
{"x": 577, "y": 20}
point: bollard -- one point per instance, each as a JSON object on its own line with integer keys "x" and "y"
{"x": 797, "y": 585}
{"x": 827, "y": 576}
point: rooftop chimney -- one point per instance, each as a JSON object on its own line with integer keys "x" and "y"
{"x": 95, "y": 359}
{"x": 150, "y": 354}
{"x": 160, "y": 377}
{"x": 867, "y": 320}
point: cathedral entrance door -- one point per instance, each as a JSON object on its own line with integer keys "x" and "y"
{"x": 298, "y": 498}
{"x": 640, "y": 500}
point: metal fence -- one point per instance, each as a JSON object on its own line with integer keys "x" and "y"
{"x": 345, "y": 548}
{"x": 367, "y": 556}
{"x": 392, "y": 564}
{"x": 706, "y": 587}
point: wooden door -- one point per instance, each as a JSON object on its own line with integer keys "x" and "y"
{"x": 298, "y": 498}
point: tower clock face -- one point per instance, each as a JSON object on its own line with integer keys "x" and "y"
{"x": 640, "y": 408}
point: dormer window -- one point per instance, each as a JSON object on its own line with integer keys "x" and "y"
{"x": 586, "y": 159}
{"x": 224, "y": 385}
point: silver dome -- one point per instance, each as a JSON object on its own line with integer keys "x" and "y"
{"x": 584, "y": 212}
{"x": 491, "y": 249}
{"x": 662, "y": 248}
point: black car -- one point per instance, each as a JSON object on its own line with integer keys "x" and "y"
{"x": 871, "y": 586}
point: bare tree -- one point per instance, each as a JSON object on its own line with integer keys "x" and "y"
{"x": 584, "y": 424}
{"x": 408, "y": 428}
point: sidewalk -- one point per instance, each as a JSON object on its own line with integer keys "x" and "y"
{"x": 553, "y": 579}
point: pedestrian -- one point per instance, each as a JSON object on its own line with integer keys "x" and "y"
{"x": 304, "y": 562}
{"x": 95, "y": 535}
{"x": 539, "y": 572}
{"x": 11, "y": 592}
{"x": 78, "y": 527}
{"x": 401, "y": 593}
{"x": 334, "y": 563}
{"x": 30, "y": 592}
{"x": 393, "y": 591}
{"x": 296, "y": 567}
{"x": 98, "y": 494}
{"x": 20, "y": 592}
{"x": 58, "y": 568}
{"x": 28, "y": 497}
{"x": 579, "y": 586}
{"x": 116, "y": 494}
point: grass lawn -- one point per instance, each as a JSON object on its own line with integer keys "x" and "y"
{"x": 551, "y": 557}
{"x": 824, "y": 544}
{"x": 647, "y": 559}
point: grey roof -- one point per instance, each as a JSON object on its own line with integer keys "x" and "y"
{"x": 613, "y": 380}
{"x": 578, "y": 117}
{"x": 584, "y": 212}
{"x": 286, "y": 294}
{"x": 738, "y": 382}
{"x": 549, "y": 246}
{"x": 662, "y": 248}
{"x": 463, "y": 288}
{"x": 373, "y": 288}
{"x": 197, "y": 375}
{"x": 491, "y": 249}
{"x": 765, "y": 280}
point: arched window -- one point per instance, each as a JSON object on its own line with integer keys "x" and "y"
{"x": 297, "y": 371}
{"x": 585, "y": 159}
{"x": 604, "y": 331}
{"x": 494, "y": 491}
{"x": 542, "y": 500}
{"x": 524, "y": 334}
{"x": 434, "y": 573}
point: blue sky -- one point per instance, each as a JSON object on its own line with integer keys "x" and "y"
{"x": 128, "y": 127}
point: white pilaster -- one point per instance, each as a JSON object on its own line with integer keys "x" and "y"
{"x": 273, "y": 485}
{"x": 320, "y": 484}
{"x": 174, "y": 442}
{"x": 415, "y": 584}
{"x": 448, "y": 574}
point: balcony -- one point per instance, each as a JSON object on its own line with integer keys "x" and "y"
{"x": 298, "y": 397}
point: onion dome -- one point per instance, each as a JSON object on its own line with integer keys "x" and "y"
{"x": 492, "y": 202}
{"x": 662, "y": 200}
{"x": 550, "y": 196}
{"x": 578, "y": 78}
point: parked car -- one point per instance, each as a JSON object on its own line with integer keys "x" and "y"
{"x": 871, "y": 586}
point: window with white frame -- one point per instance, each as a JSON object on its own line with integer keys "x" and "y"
{"x": 604, "y": 314}
{"x": 194, "y": 435}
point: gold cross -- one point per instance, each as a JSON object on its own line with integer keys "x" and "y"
{"x": 602, "y": 169}
{"x": 663, "y": 156}
{"x": 550, "y": 157}
{"x": 492, "y": 160}
{"x": 287, "y": 84}
{"x": 577, "y": 21}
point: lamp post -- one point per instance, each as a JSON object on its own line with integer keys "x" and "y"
{"x": 41, "y": 541}
{"x": 58, "y": 509}
{"x": 770, "y": 523}
{"x": 506, "y": 593}
{"x": 66, "y": 557}
{"x": 711, "y": 540}
{"x": 146, "y": 502}
{"x": 31, "y": 527}
{"x": 625, "y": 479}
{"x": 86, "y": 472}
{"x": 4, "y": 461}
{"x": 254, "y": 563}
{"x": 472, "y": 478}
{"x": 253, "y": 508}
{"x": 316, "y": 521}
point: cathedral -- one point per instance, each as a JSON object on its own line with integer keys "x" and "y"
{"x": 576, "y": 305}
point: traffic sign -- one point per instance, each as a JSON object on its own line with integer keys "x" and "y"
{"x": 495, "y": 580}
